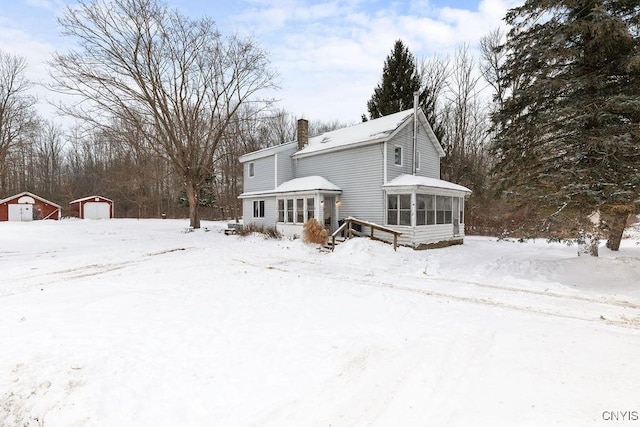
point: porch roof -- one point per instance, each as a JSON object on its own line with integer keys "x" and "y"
{"x": 299, "y": 185}
{"x": 413, "y": 181}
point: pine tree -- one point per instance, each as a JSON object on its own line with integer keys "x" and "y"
{"x": 399, "y": 82}
{"x": 568, "y": 138}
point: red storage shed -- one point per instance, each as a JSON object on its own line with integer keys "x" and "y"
{"x": 27, "y": 207}
{"x": 93, "y": 207}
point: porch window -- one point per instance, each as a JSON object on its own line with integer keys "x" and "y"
{"x": 258, "y": 208}
{"x": 300, "y": 211}
{"x": 443, "y": 210}
{"x": 461, "y": 210}
{"x": 399, "y": 209}
{"x": 425, "y": 213}
{"x": 310, "y": 208}
{"x": 281, "y": 210}
{"x": 290, "y": 217}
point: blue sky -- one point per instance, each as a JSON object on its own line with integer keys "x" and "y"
{"x": 328, "y": 54}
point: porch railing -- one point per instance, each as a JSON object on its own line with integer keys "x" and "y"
{"x": 348, "y": 231}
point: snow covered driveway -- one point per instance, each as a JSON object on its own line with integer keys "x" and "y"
{"x": 134, "y": 323}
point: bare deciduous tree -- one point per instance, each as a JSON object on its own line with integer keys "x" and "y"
{"x": 17, "y": 115}
{"x": 176, "y": 79}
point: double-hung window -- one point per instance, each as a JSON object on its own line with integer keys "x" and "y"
{"x": 310, "y": 208}
{"x": 299, "y": 211}
{"x": 425, "y": 213}
{"x": 251, "y": 169}
{"x": 258, "y": 208}
{"x": 399, "y": 209}
{"x": 443, "y": 210}
{"x": 290, "y": 217}
{"x": 397, "y": 156}
{"x": 280, "y": 210}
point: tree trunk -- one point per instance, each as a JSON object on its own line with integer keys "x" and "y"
{"x": 192, "y": 198}
{"x": 616, "y": 224}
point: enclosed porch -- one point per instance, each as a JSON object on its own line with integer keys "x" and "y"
{"x": 427, "y": 211}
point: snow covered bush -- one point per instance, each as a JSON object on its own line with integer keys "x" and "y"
{"x": 314, "y": 232}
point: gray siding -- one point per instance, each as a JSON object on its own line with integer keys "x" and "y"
{"x": 404, "y": 139}
{"x": 285, "y": 166}
{"x": 429, "y": 158}
{"x": 270, "y": 211}
{"x": 358, "y": 172}
{"x": 264, "y": 173}
{"x": 426, "y": 234}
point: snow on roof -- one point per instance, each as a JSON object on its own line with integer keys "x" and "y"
{"x": 308, "y": 183}
{"x": 422, "y": 181}
{"x": 27, "y": 193}
{"x": 372, "y": 130}
{"x": 305, "y": 184}
{"x": 267, "y": 151}
{"x": 89, "y": 198}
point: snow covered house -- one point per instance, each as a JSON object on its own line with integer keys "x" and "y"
{"x": 385, "y": 171}
{"x": 27, "y": 206}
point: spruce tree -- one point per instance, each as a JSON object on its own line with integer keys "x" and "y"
{"x": 568, "y": 136}
{"x": 399, "y": 82}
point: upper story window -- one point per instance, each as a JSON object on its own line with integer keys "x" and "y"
{"x": 397, "y": 156}
{"x": 417, "y": 160}
{"x": 251, "y": 169}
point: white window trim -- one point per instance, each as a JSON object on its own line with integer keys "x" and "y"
{"x": 305, "y": 208}
{"x": 411, "y": 209}
{"x": 251, "y": 169}
{"x": 263, "y": 208}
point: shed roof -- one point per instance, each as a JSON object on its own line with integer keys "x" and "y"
{"x": 422, "y": 181}
{"x": 26, "y": 193}
{"x": 89, "y": 198}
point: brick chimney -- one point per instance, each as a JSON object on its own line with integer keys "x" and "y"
{"x": 303, "y": 133}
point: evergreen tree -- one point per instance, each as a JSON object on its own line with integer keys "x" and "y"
{"x": 568, "y": 136}
{"x": 400, "y": 80}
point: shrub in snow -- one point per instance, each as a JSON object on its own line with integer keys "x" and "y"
{"x": 269, "y": 232}
{"x": 314, "y": 232}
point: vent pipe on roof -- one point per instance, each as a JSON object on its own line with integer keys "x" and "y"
{"x": 303, "y": 133}
{"x": 416, "y": 100}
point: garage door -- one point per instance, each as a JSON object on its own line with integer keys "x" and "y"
{"x": 96, "y": 210}
{"x": 20, "y": 212}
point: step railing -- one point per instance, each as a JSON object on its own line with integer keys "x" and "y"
{"x": 347, "y": 230}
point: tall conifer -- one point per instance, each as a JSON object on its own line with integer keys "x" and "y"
{"x": 568, "y": 138}
{"x": 399, "y": 82}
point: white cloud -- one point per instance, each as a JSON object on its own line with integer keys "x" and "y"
{"x": 330, "y": 55}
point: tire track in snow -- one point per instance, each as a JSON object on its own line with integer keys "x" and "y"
{"x": 87, "y": 270}
{"x": 576, "y": 307}
{"x": 602, "y": 300}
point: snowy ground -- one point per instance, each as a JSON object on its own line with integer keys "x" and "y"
{"x": 135, "y": 323}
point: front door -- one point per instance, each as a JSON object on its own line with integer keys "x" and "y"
{"x": 329, "y": 214}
